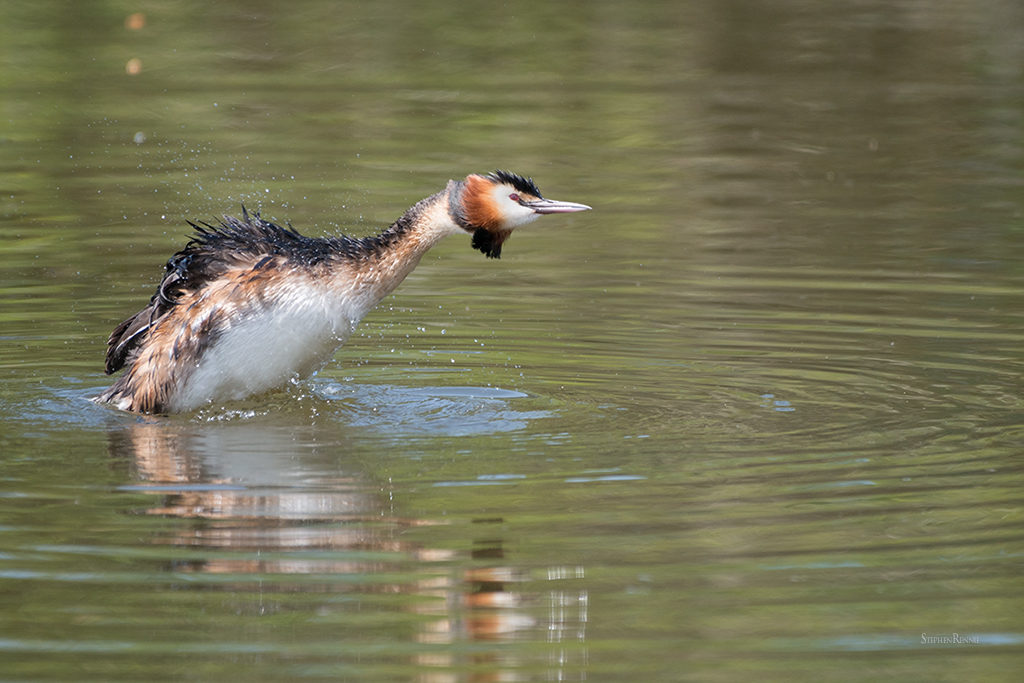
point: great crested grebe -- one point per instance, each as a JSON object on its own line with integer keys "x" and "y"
{"x": 247, "y": 305}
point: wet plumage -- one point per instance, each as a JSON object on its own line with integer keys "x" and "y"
{"x": 248, "y": 305}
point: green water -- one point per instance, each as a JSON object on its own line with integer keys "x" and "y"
{"x": 756, "y": 416}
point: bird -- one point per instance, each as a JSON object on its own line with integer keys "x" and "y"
{"x": 248, "y": 306}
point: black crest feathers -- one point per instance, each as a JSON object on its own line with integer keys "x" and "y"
{"x": 525, "y": 185}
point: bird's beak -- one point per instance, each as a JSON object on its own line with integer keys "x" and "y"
{"x": 543, "y": 206}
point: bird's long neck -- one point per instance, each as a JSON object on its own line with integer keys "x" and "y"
{"x": 389, "y": 257}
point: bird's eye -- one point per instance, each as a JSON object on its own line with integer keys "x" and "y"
{"x": 514, "y": 197}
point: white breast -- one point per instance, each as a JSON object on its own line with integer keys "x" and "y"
{"x": 263, "y": 347}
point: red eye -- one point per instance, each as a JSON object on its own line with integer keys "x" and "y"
{"x": 514, "y": 197}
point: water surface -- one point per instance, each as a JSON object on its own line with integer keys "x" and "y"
{"x": 757, "y": 414}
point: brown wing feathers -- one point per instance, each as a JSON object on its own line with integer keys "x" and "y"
{"x": 210, "y": 252}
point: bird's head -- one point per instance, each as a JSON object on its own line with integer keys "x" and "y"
{"x": 491, "y": 206}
